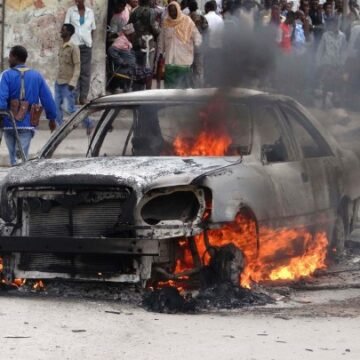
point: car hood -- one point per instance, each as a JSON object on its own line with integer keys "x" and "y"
{"x": 141, "y": 173}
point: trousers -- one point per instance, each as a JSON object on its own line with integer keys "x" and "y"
{"x": 85, "y": 72}
{"x": 25, "y": 136}
{"x": 63, "y": 96}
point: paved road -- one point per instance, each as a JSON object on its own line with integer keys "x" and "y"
{"x": 45, "y": 328}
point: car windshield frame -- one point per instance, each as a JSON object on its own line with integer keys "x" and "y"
{"x": 55, "y": 140}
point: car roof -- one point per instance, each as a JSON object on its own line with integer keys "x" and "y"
{"x": 179, "y": 95}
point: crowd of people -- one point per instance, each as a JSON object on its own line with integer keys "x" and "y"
{"x": 296, "y": 47}
{"x": 300, "y": 47}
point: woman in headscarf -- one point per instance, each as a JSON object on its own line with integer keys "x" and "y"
{"x": 178, "y": 38}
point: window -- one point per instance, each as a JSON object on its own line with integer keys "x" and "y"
{"x": 311, "y": 143}
{"x": 213, "y": 129}
{"x": 271, "y": 136}
{"x": 188, "y": 129}
{"x": 75, "y": 144}
{"x": 161, "y": 129}
{"x": 114, "y": 133}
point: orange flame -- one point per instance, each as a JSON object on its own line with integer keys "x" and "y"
{"x": 18, "y": 282}
{"x": 287, "y": 254}
{"x": 213, "y": 139}
{"x": 206, "y": 144}
{"x": 39, "y": 285}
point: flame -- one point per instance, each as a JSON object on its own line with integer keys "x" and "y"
{"x": 287, "y": 254}
{"x": 171, "y": 283}
{"x": 213, "y": 138}
{"x": 39, "y": 285}
{"x": 19, "y": 282}
{"x": 208, "y": 143}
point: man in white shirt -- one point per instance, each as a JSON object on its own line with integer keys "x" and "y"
{"x": 214, "y": 43}
{"x": 83, "y": 19}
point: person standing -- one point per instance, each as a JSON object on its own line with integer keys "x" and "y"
{"x": 21, "y": 91}
{"x": 120, "y": 51}
{"x": 202, "y": 25}
{"x": 83, "y": 19}
{"x": 317, "y": 20}
{"x": 178, "y": 39}
{"x": 131, "y": 6}
{"x": 68, "y": 73}
{"x": 285, "y": 33}
{"x": 330, "y": 60}
{"x": 214, "y": 45}
{"x": 147, "y": 30}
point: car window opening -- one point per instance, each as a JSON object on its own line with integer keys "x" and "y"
{"x": 273, "y": 148}
{"x": 185, "y": 129}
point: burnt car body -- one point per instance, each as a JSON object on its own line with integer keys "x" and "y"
{"x": 118, "y": 209}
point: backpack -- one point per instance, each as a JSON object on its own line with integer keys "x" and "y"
{"x": 19, "y": 107}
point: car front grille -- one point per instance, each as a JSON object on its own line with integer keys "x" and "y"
{"x": 81, "y": 220}
{"x": 77, "y": 212}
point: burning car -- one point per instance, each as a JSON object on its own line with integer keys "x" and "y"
{"x": 172, "y": 179}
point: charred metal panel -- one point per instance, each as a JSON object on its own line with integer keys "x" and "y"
{"x": 77, "y": 245}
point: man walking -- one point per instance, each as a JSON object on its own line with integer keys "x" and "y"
{"x": 68, "y": 73}
{"x": 21, "y": 90}
{"x": 83, "y": 19}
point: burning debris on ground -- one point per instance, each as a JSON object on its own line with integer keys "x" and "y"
{"x": 199, "y": 295}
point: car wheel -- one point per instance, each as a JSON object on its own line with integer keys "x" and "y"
{"x": 339, "y": 236}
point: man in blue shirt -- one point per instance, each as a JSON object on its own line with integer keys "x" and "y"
{"x": 35, "y": 90}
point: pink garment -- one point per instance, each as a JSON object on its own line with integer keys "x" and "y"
{"x": 124, "y": 16}
{"x": 122, "y": 42}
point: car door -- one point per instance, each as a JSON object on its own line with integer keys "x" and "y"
{"x": 318, "y": 160}
{"x": 280, "y": 159}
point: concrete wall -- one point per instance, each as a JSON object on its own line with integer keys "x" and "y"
{"x": 36, "y": 24}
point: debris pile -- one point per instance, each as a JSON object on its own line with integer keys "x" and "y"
{"x": 221, "y": 296}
